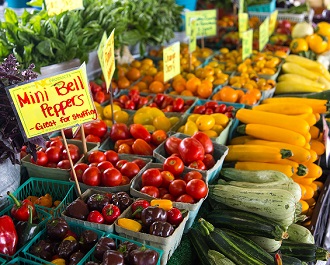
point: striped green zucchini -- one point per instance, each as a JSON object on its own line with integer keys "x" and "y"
{"x": 218, "y": 259}
{"x": 287, "y": 260}
{"x": 200, "y": 245}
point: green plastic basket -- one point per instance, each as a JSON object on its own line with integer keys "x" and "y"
{"x": 43, "y": 217}
{"x": 77, "y": 229}
{"x": 268, "y": 7}
{"x": 21, "y": 261}
{"x": 3, "y": 261}
{"x": 59, "y": 190}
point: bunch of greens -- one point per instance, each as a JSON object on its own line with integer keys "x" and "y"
{"x": 11, "y": 138}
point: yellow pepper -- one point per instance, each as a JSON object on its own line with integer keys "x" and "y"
{"x": 162, "y": 203}
{"x": 58, "y": 261}
{"x": 130, "y": 224}
{"x": 46, "y": 201}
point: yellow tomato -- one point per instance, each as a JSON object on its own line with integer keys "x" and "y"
{"x": 317, "y": 43}
{"x": 121, "y": 116}
{"x": 205, "y": 122}
{"x": 143, "y": 118}
{"x": 150, "y": 128}
{"x": 193, "y": 117}
{"x": 217, "y": 128}
{"x": 211, "y": 133}
{"x": 174, "y": 120}
{"x": 107, "y": 110}
{"x": 298, "y": 45}
{"x": 162, "y": 123}
{"x": 190, "y": 128}
{"x": 220, "y": 119}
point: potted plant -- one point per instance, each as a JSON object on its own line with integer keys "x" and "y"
{"x": 11, "y": 137}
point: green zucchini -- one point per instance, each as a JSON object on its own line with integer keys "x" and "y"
{"x": 246, "y": 223}
{"x": 287, "y": 260}
{"x": 200, "y": 245}
{"x": 218, "y": 259}
{"x": 273, "y": 203}
{"x": 238, "y": 252}
{"x": 268, "y": 244}
{"x": 299, "y": 233}
{"x": 255, "y": 176}
{"x": 304, "y": 251}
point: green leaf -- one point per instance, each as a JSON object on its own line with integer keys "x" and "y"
{"x": 11, "y": 33}
{"x": 57, "y": 44}
{"x": 23, "y": 37}
{"x": 10, "y": 16}
{"x": 27, "y": 54}
{"x": 45, "y": 48}
{"x": 36, "y": 3}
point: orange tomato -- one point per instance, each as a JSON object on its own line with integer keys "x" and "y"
{"x": 248, "y": 99}
{"x": 228, "y": 94}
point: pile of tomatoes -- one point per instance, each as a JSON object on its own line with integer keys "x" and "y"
{"x": 168, "y": 103}
{"x": 132, "y": 100}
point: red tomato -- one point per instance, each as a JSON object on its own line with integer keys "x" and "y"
{"x": 96, "y": 157}
{"x": 162, "y": 191}
{"x": 209, "y": 161}
{"x": 120, "y": 163}
{"x": 64, "y": 164}
{"x": 197, "y": 189}
{"x": 167, "y": 177}
{"x": 51, "y": 165}
{"x": 192, "y": 175}
{"x": 93, "y": 164}
{"x": 158, "y": 136}
{"x": 111, "y": 156}
{"x": 99, "y": 97}
{"x": 211, "y": 104}
{"x": 178, "y": 104}
{"x": 57, "y": 143}
{"x": 129, "y": 104}
{"x": 152, "y": 177}
{"x": 190, "y": 150}
{"x": 199, "y": 109}
{"x": 205, "y": 140}
{"x": 42, "y": 159}
{"x": 141, "y": 147}
{"x": 174, "y": 164}
{"x": 111, "y": 177}
{"x": 174, "y": 216}
{"x": 185, "y": 198}
{"x": 79, "y": 169}
{"x": 198, "y": 164}
{"x": 73, "y": 147}
{"x": 102, "y": 166}
{"x": 119, "y": 131}
{"x": 92, "y": 176}
{"x": 93, "y": 139}
{"x": 159, "y": 98}
{"x": 130, "y": 169}
{"x": 98, "y": 128}
{"x": 151, "y": 191}
{"x": 141, "y": 163}
{"x": 73, "y": 154}
{"x": 168, "y": 196}
{"x": 125, "y": 181}
{"x": 177, "y": 187}
{"x": 222, "y": 108}
{"x": 171, "y": 145}
{"x": 53, "y": 154}
{"x": 125, "y": 149}
{"x": 118, "y": 143}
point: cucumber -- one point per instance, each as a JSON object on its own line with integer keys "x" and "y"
{"x": 268, "y": 244}
{"x": 218, "y": 259}
{"x": 200, "y": 245}
{"x": 299, "y": 233}
{"x": 254, "y": 176}
{"x": 246, "y": 223}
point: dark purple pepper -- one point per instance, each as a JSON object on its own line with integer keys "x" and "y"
{"x": 125, "y": 248}
{"x": 77, "y": 209}
{"x": 67, "y": 248}
{"x": 122, "y": 200}
{"x": 76, "y": 257}
{"x": 57, "y": 228}
{"x": 143, "y": 256}
{"x": 104, "y": 244}
{"x": 113, "y": 257}
{"x": 87, "y": 240}
{"x": 163, "y": 229}
{"x": 152, "y": 214}
{"x": 97, "y": 202}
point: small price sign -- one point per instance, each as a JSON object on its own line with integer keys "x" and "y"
{"x": 247, "y": 41}
{"x": 53, "y": 103}
{"x": 243, "y": 19}
{"x": 263, "y": 34}
{"x": 206, "y": 22}
{"x": 108, "y": 59}
{"x": 100, "y": 50}
{"x": 272, "y": 22}
{"x": 192, "y": 37}
{"x": 55, "y": 7}
{"x": 171, "y": 60}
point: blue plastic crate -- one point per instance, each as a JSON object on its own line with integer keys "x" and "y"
{"x": 77, "y": 229}
{"x": 59, "y": 190}
{"x": 42, "y": 216}
{"x": 269, "y": 7}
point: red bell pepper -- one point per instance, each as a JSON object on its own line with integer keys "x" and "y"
{"x": 8, "y": 236}
{"x": 20, "y": 210}
{"x": 110, "y": 213}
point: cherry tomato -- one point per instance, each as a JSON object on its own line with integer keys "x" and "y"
{"x": 152, "y": 177}
{"x": 178, "y": 104}
{"x": 95, "y": 217}
{"x": 190, "y": 150}
{"x": 73, "y": 147}
{"x": 64, "y": 164}
{"x": 111, "y": 177}
{"x": 138, "y": 131}
{"x": 211, "y": 104}
{"x": 171, "y": 145}
{"x": 141, "y": 147}
{"x": 198, "y": 164}
{"x": 73, "y": 154}
{"x": 92, "y": 176}
{"x": 141, "y": 163}
{"x": 120, "y": 163}
{"x": 111, "y": 156}
{"x": 168, "y": 196}
{"x": 99, "y": 97}
{"x": 42, "y": 159}
{"x": 197, "y": 189}
{"x": 177, "y": 187}
{"x": 222, "y": 108}
{"x": 125, "y": 149}
{"x": 174, "y": 216}
{"x": 151, "y": 191}
{"x": 174, "y": 164}
{"x": 118, "y": 143}
{"x": 125, "y": 180}
{"x": 209, "y": 161}
{"x": 102, "y": 166}
{"x": 167, "y": 177}
{"x": 79, "y": 169}
{"x": 119, "y": 131}
{"x": 162, "y": 191}
{"x": 185, "y": 198}
{"x": 58, "y": 143}
{"x": 159, "y": 98}
{"x": 205, "y": 140}
{"x": 130, "y": 169}
{"x": 129, "y": 104}
{"x": 93, "y": 139}
{"x": 98, "y": 128}
{"x": 96, "y": 157}
{"x": 199, "y": 109}
{"x": 192, "y": 175}
{"x": 53, "y": 154}
{"x": 158, "y": 136}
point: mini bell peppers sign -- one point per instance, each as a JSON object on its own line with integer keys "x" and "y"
{"x": 171, "y": 59}
{"x": 108, "y": 55}
{"x": 206, "y": 22}
{"x": 263, "y": 34}
{"x": 53, "y": 103}
{"x": 247, "y": 41}
{"x": 242, "y": 23}
{"x": 272, "y": 22}
{"x": 192, "y": 38}
{"x": 55, "y": 7}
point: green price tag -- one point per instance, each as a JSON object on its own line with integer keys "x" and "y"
{"x": 206, "y": 22}
{"x": 192, "y": 38}
{"x": 263, "y": 34}
{"x": 243, "y": 19}
{"x": 247, "y": 41}
{"x": 272, "y": 22}
{"x": 241, "y": 6}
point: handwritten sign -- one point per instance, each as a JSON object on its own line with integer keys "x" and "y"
{"x": 100, "y": 50}
{"x": 109, "y": 59}
{"x": 241, "y": 6}
{"x": 243, "y": 19}
{"x": 247, "y": 41}
{"x": 171, "y": 60}
{"x": 54, "y": 103}
{"x": 272, "y": 22}
{"x": 206, "y": 22}
{"x": 55, "y": 7}
{"x": 263, "y": 34}
{"x": 192, "y": 38}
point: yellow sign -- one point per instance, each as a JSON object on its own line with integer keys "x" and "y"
{"x": 247, "y": 41}
{"x": 192, "y": 38}
{"x": 55, "y": 7}
{"x": 241, "y": 6}
{"x": 109, "y": 59}
{"x": 171, "y": 59}
{"x": 54, "y": 103}
{"x": 263, "y": 34}
{"x": 100, "y": 51}
{"x": 272, "y": 22}
{"x": 206, "y": 22}
{"x": 243, "y": 19}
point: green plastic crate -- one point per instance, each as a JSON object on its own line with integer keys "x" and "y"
{"x": 21, "y": 261}
{"x": 77, "y": 229}
{"x": 59, "y": 190}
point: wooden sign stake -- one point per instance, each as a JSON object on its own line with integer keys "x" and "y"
{"x": 83, "y": 139}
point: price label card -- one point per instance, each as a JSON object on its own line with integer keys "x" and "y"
{"x": 263, "y": 34}
{"x": 272, "y": 22}
{"x": 241, "y": 6}
{"x": 109, "y": 59}
{"x": 192, "y": 38}
{"x": 206, "y": 22}
{"x": 100, "y": 51}
{"x": 247, "y": 41}
{"x": 171, "y": 60}
{"x": 53, "y": 103}
{"x": 55, "y": 7}
{"x": 243, "y": 19}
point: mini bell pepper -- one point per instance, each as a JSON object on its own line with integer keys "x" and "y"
{"x": 137, "y": 208}
{"x": 46, "y": 201}
{"x": 160, "y": 228}
{"x": 152, "y": 214}
{"x": 8, "y": 236}
{"x": 20, "y": 210}
{"x": 130, "y": 224}
{"x": 143, "y": 256}
{"x": 162, "y": 203}
{"x": 111, "y": 213}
